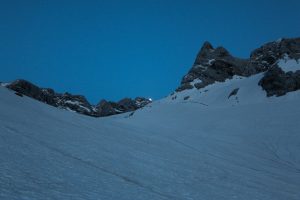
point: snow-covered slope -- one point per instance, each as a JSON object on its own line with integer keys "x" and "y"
{"x": 209, "y": 146}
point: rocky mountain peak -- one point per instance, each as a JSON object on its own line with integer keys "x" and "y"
{"x": 207, "y": 46}
{"x": 206, "y": 49}
{"x": 207, "y": 53}
{"x": 213, "y": 65}
{"x": 216, "y": 65}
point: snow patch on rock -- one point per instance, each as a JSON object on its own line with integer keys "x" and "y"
{"x": 289, "y": 65}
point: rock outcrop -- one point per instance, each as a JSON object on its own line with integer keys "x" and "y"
{"x": 268, "y": 54}
{"x": 106, "y": 108}
{"x": 217, "y": 64}
{"x": 76, "y": 103}
{"x": 277, "y": 82}
{"x": 26, "y": 88}
{"x": 213, "y": 65}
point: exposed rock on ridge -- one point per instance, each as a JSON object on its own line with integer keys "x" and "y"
{"x": 213, "y": 65}
{"x": 277, "y": 82}
{"x": 217, "y": 64}
{"x": 76, "y": 103}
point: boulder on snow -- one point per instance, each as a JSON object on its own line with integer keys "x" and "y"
{"x": 233, "y": 92}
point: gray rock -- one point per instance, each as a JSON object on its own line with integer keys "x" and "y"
{"x": 127, "y": 104}
{"x": 28, "y": 89}
{"x": 213, "y": 65}
{"x": 233, "y": 92}
{"x": 186, "y": 97}
{"x": 277, "y": 82}
{"x": 105, "y": 108}
{"x": 218, "y": 64}
{"x": 18, "y": 94}
{"x": 268, "y": 54}
{"x": 184, "y": 86}
{"x": 141, "y": 101}
{"x": 77, "y": 103}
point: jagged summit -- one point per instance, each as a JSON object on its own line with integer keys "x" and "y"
{"x": 213, "y": 65}
{"x": 217, "y": 64}
{"x": 207, "y": 45}
{"x": 206, "y": 48}
{"x": 76, "y": 103}
{"x": 208, "y": 52}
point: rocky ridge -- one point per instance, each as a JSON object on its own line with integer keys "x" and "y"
{"x": 211, "y": 65}
{"x": 76, "y": 103}
{"x": 217, "y": 64}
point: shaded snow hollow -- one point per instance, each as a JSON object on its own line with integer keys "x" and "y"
{"x": 209, "y": 146}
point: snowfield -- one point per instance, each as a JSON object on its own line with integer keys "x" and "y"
{"x": 211, "y": 146}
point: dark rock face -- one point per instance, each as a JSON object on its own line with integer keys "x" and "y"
{"x": 277, "y": 82}
{"x": 184, "y": 86}
{"x": 127, "y": 104}
{"x": 217, "y": 64}
{"x": 141, "y": 101}
{"x": 267, "y": 55}
{"x": 213, "y": 65}
{"x": 186, "y": 97}
{"x": 77, "y": 103}
{"x": 233, "y": 92}
{"x": 105, "y": 108}
{"x": 18, "y": 94}
{"x": 26, "y": 88}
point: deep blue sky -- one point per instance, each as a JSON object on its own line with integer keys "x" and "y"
{"x": 116, "y": 48}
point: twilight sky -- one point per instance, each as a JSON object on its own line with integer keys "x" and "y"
{"x": 126, "y": 48}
